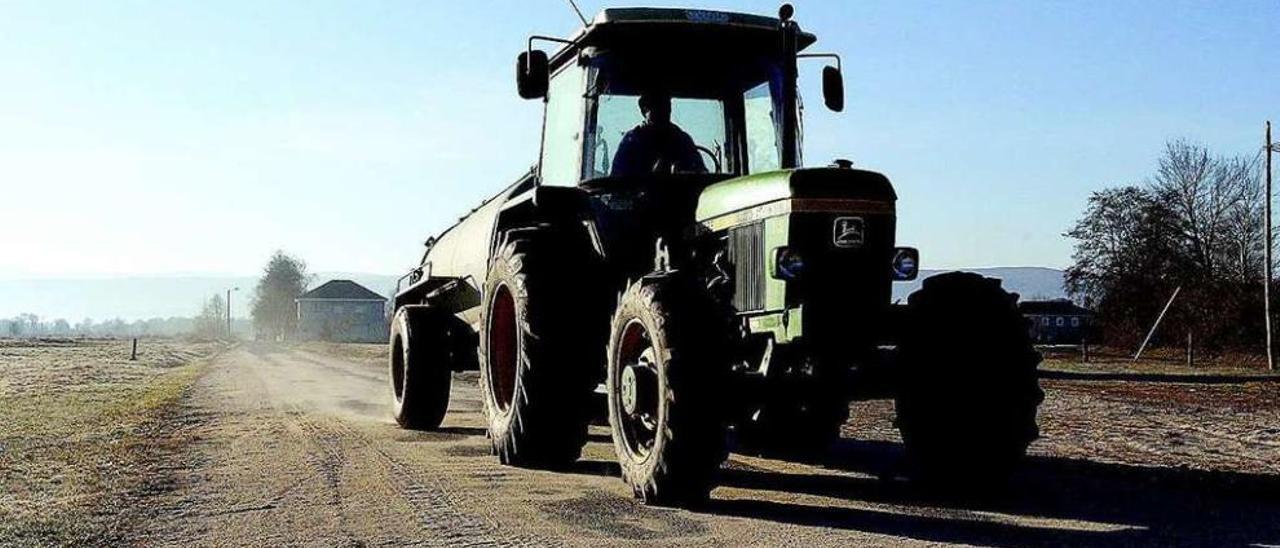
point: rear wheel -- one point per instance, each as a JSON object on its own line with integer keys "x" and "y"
{"x": 420, "y": 368}
{"x": 968, "y": 391}
{"x": 535, "y": 369}
{"x": 663, "y": 374}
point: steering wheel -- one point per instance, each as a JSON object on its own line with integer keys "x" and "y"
{"x": 714, "y": 159}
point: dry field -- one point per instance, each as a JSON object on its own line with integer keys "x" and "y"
{"x": 82, "y": 433}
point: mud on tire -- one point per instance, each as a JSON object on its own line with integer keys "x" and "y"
{"x": 535, "y": 360}
{"x": 670, "y": 436}
{"x": 968, "y": 390}
{"x": 420, "y": 367}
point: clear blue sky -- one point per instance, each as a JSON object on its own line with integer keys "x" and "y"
{"x": 159, "y": 137}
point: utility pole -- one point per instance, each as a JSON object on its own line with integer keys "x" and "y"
{"x": 1266, "y": 279}
{"x": 229, "y": 311}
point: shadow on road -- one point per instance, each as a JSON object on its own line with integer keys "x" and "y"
{"x": 469, "y": 431}
{"x": 1050, "y": 502}
{"x": 1062, "y": 501}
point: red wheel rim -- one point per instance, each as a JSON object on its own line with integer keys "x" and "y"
{"x": 503, "y": 348}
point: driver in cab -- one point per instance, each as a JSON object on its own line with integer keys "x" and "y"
{"x": 656, "y": 145}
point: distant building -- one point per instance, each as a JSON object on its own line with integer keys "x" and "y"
{"x": 342, "y": 311}
{"x": 1057, "y": 321}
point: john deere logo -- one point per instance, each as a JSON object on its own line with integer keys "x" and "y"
{"x": 699, "y": 16}
{"x": 848, "y": 231}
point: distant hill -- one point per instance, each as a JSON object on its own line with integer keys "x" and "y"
{"x": 1031, "y": 282}
{"x": 142, "y": 297}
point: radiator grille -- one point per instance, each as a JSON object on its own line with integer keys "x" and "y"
{"x": 746, "y": 252}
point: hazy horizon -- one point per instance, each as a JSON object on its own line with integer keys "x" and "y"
{"x": 150, "y": 296}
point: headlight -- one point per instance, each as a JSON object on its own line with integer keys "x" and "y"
{"x": 788, "y": 264}
{"x": 906, "y": 264}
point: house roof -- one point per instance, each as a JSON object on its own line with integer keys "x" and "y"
{"x": 341, "y": 289}
{"x": 1062, "y": 307}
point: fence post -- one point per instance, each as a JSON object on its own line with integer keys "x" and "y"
{"x": 1191, "y": 360}
{"x": 133, "y": 355}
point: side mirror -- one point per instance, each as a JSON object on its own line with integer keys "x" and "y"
{"x": 833, "y": 88}
{"x": 532, "y": 72}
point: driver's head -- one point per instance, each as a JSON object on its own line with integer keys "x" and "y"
{"x": 656, "y": 107}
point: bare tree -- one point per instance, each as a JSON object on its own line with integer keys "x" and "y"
{"x": 1216, "y": 210}
{"x": 274, "y": 301}
{"x": 1196, "y": 224}
{"x": 209, "y": 324}
{"x": 1122, "y": 257}
{"x": 1244, "y": 239}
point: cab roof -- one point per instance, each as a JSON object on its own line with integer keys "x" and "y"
{"x": 673, "y": 28}
{"x": 668, "y": 15}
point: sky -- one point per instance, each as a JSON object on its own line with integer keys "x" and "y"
{"x": 147, "y": 138}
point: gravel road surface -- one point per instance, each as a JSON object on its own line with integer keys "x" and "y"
{"x": 295, "y": 447}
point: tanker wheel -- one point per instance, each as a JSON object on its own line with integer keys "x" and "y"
{"x": 420, "y": 367}
{"x": 662, "y": 381}
{"x": 536, "y": 379}
{"x": 968, "y": 390}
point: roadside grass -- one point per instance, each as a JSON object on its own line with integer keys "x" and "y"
{"x": 82, "y": 428}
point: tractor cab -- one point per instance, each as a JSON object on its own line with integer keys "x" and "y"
{"x": 726, "y": 80}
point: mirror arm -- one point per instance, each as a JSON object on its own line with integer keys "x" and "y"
{"x": 529, "y": 45}
{"x": 839, "y": 67}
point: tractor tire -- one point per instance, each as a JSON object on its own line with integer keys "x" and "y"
{"x": 665, "y": 368}
{"x": 968, "y": 389}
{"x": 420, "y": 368}
{"x": 535, "y": 368}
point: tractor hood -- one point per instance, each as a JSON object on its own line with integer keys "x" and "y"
{"x": 743, "y": 199}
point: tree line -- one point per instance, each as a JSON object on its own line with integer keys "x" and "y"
{"x": 32, "y": 325}
{"x": 1196, "y": 224}
{"x": 273, "y": 311}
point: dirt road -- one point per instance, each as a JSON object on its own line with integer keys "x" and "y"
{"x": 295, "y": 447}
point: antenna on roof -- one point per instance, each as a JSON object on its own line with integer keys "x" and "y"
{"x": 574, "y": 5}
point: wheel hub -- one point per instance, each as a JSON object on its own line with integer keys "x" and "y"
{"x": 638, "y": 386}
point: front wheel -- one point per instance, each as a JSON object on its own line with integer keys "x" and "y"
{"x": 663, "y": 369}
{"x": 968, "y": 390}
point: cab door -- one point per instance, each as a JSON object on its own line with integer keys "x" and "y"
{"x": 562, "y": 127}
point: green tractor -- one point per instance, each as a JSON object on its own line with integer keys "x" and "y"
{"x": 669, "y": 250}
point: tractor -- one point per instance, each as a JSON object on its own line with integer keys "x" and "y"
{"x": 669, "y": 250}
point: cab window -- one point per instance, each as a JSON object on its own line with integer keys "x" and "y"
{"x": 709, "y": 117}
{"x": 703, "y": 120}
{"x": 562, "y": 128}
{"x": 762, "y": 130}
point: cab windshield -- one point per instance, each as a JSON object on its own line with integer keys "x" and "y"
{"x": 681, "y": 116}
